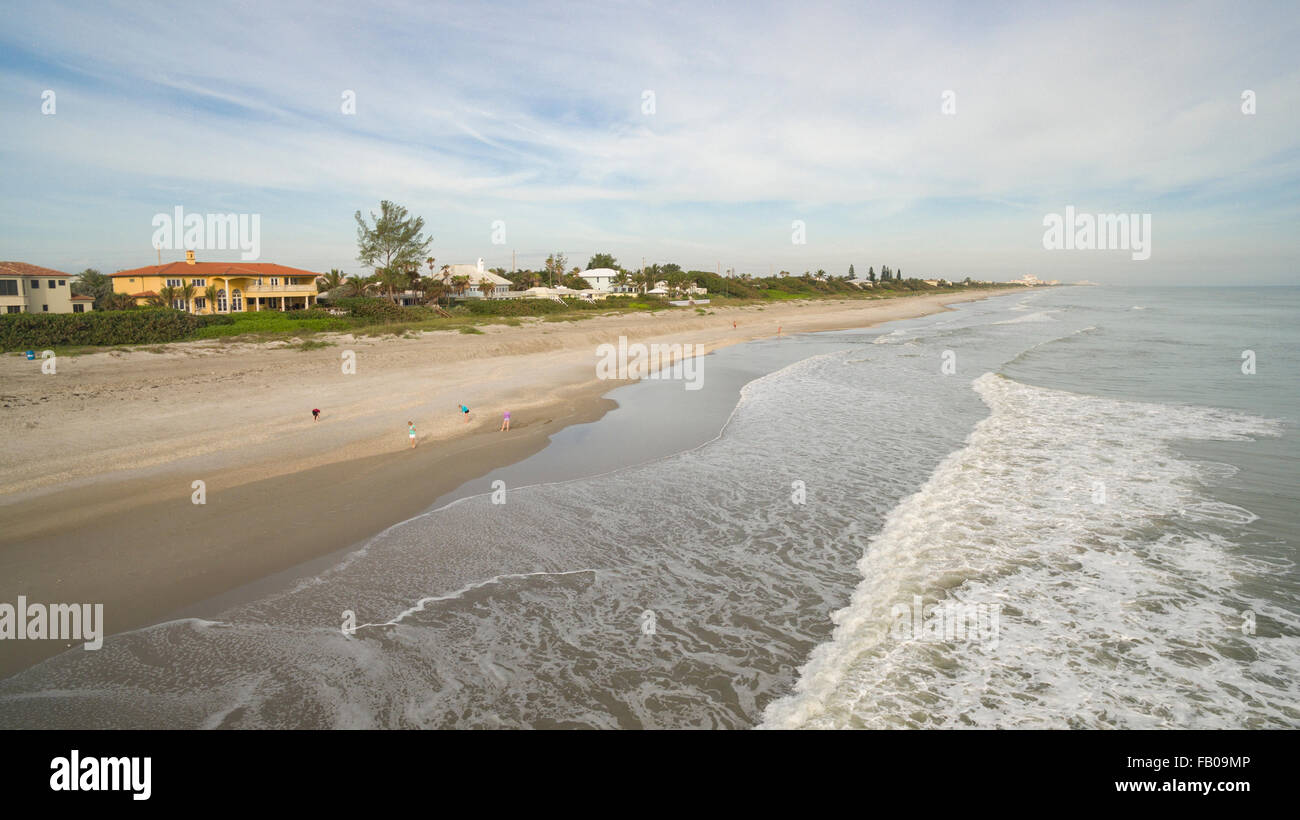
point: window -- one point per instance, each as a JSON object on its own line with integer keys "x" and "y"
{"x": 36, "y": 284}
{"x": 14, "y": 309}
{"x": 178, "y": 304}
{"x": 8, "y": 287}
{"x": 236, "y": 300}
{"x": 221, "y": 301}
{"x": 173, "y": 283}
{"x": 275, "y": 281}
{"x": 45, "y": 308}
{"x": 199, "y": 283}
{"x": 200, "y": 303}
{"x": 62, "y": 282}
{"x": 130, "y": 280}
{"x": 52, "y": 284}
{"x": 78, "y": 308}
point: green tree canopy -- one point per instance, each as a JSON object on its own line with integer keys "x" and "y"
{"x": 395, "y": 242}
{"x": 602, "y": 260}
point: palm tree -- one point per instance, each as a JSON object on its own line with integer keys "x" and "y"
{"x": 459, "y": 284}
{"x": 392, "y": 280}
{"x": 652, "y": 274}
{"x": 621, "y": 278}
{"x": 91, "y": 282}
{"x": 486, "y": 286}
{"x": 329, "y": 281}
{"x": 165, "y": 297}
{"x": 210, "y": 293}
{"x": 119, "y": 301}
{"x": 432, "y": 288}
{"x": 357, "y": 285}
{"x": 187, "y": 293}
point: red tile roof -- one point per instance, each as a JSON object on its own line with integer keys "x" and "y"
{"x": 24, "y": 269}
{"x": 209, "y": 269}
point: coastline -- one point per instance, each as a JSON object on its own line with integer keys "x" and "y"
{"x": 131, "y": 539}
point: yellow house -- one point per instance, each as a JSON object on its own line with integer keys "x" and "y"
{"x": 236, "y": 287}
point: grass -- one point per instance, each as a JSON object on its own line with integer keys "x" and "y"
{"x": 312, "y": 344}
{"x": 272, "y": 325}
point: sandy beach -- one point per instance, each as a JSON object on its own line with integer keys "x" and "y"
{"x": 96, "y": 484}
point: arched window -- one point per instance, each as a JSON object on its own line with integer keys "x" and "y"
{"x": 236, "y": 300}
{"x": 221, "y": 301}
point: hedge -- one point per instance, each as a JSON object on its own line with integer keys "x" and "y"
{"x": 380, "y": 310}
{"x": 27, "y": 331}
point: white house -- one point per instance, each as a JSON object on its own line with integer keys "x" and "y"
{"x": 477, "y": 274}
{"x": 600, "y": 278}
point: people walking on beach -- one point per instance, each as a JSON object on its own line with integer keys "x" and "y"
{"x": 315, "y": 414}
{"x": 410, "y": 433}
{"x": 464, "y": 411}
{"x": 505, "y": 423}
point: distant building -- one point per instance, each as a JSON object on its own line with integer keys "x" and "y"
{"x": 28, "y": 288}
{"x": 477, "y": 276}
{"x": 240, "y": 287}
{"x": 601, "y": 279}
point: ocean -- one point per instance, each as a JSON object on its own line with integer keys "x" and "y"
{"x": 1058, "y": 508}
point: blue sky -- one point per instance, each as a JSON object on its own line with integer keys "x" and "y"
{"x": 532, "y": 114}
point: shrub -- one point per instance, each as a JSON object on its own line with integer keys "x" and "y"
{"x": 381, "y": 310}
{"x": 21, "y": 331}
{"x": 512, "y": 307}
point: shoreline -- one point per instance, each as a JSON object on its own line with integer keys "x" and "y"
{"x": 132, "y": 540}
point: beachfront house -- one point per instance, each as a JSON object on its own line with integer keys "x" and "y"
{"x": 601, "y": 279}
{"x": 240, "y": 287}
{"x": 478, "y": 275}
{"x": 26, "y": 288}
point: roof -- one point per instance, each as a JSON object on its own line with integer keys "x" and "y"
{"x": 475, "y": 275}
{"x": 206, "y": 269}
{"x": 83, "y": 298}
{"x": 599, "y": 272}
{"x": 25, "y": 269}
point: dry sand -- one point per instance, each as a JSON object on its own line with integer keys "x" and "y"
{"x": 96, "y": 475}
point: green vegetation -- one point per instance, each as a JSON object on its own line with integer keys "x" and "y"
{"x": 27, "y": 331}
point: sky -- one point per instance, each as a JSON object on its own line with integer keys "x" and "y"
{"x": 933, "y": 138}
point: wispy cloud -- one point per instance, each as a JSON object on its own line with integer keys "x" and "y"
{"x": 763, "y": 114}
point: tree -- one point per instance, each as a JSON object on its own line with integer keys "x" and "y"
{"x": 852, "y": 275}
{"x": 621, "y": 278}
{"x": 210, "y": 293}
{"x": 167, "y": 296}
{"x": 652, "y": 276}
{"x": 555, "y": 265}
{"x": 329, "y": 281}
{"x": 395, "y": 242}
{"x": 393, "y": 279}
{"x": 357, "y": 285}
{"x": 871, "y": 275}
{"x": 485, "y": 287}
{"x": 459, "y": 284}
{"x": 91, "y": 282}
{"x": 187, "y": 293}
{"x": 602, "y": 260}
{"x": 119, "y": 301}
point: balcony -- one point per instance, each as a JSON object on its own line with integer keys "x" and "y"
{"x": 281, "y": 290}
